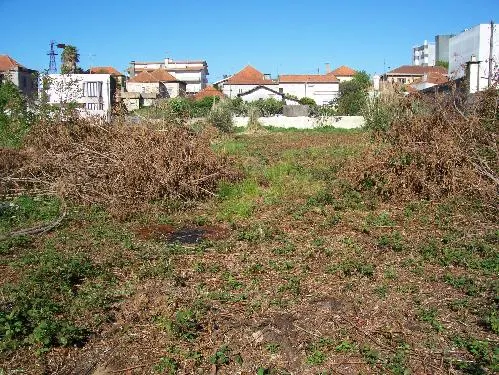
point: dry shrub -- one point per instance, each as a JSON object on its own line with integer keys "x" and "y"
{"x": 436, "y": 146}
{"x": 120, "y": 166}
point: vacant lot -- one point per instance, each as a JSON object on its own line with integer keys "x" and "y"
{"x": 298, "y": 273}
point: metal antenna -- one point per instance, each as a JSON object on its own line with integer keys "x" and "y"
{"x": 52, "y": 64}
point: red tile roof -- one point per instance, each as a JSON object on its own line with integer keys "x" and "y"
{"x": 105, "y": 70}
{"x": 158, "y": 75}
{"x": 416, "y": 70}
{"x": 312, "y": 78}
{"x": 249, "y": 76}
{"x": 208, "y": 91}
{"x": 7, "y": 63}
{"x": 344, "y": 71}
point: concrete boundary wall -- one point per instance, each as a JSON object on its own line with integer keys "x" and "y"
{"x": 302, "y": 122}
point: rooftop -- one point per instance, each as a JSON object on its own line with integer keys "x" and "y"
{"x": 417, "y": 70}
{"x": 7, "y": 63}
{"x": 344, "y": 71}
{"x": 312, "y": 78}
{"x": 105, "y": 70}
{"x": 207, "y": 92}
{"x": 158, "y": 75}
{"x": 249, "y": 76}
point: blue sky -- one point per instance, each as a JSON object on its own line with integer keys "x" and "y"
{"x": 274, "y": 36}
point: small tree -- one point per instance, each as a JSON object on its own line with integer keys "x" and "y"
{"x": 444, "y": 64}
{"x": 353, "y": 94}
{"x": 70, "y": 58}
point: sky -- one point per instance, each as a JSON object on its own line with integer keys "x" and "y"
{"x": 276, "y": 37}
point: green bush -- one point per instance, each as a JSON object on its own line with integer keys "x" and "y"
{"x": 268, "y": 107}
{"x": 308, "y": 101}
{"x": 15, "y": 119}
{"x": 353, "y": 95}
{"x": 220, "y": 116}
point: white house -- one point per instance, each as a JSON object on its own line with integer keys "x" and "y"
{"x": 261, "y": 92}
{"x": 322, "y": 88}
{"x": 343, "y": 73}
{"x": 193, "y": 73}
{"x": 90, "y": 92}
{"x": 474, "y": 42}
{"x": 246, "y": 80}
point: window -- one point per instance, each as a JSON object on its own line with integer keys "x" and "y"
{"x": 92, "y": 89}
{"x": 94, "y": 106}
{"x": 281, "y": 90}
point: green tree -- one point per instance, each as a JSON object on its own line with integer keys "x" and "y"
{"x": 444, "y": 64}
{"x": 70, "y": 58}
{"x": 14, "y": 117}
{"x": 353, "y": 94}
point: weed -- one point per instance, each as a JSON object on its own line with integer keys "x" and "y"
{"x": 185, "y": 324}
{"x": 463, "y": 283}
{"x": 221, "y": 356}
{"x": 393, "y": 241}
{"x": 351, "y": 267}
{"x": 272, "y": 347}
{"x": 430, "y": 316}
{"x": 345, "y": 346}
{"x": 292, "y": 285}
{"x": 166, "y": 365}
{"x": 370, "y": 355}
{"x": 397, "y": 363}
{"x": 381, "y": 291}
{"x": 316, "y": 357}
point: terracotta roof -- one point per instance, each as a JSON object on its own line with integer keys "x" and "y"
{"x": 249, "y": 76}
{"x": 208, "y": 91}
{"x": 105, "y": 70}
{"x": 416, "y": 70}
{"x": 344, "y": 71}
{"x": 312, "y": 78}
{"x": 7, "y": 62}
{"x": 163, "y": 76}
{"x": 158, "y": 75}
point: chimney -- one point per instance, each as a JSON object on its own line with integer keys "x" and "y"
{"x": 328, "y": 68}
{"x": 472, "y": 76}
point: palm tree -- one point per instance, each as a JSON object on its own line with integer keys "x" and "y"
{"x": 69, "y": 57}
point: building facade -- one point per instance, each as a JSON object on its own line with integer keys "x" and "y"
{"x": 323, "y": 89}
{"x": 442, "y": 47}
{"x": 246, "y": 80}
{"x": 424, "y": 55}
{"x": 407, "y": 74}
{"x": 474, "y": 45}
{"x": 343, "y": 73}
{"x": 193, "y": 73}
{"x": 90, "y": 93}
{"x": 25, "y": 79}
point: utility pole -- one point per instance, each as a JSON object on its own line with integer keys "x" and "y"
{"x": 489, "y": 80}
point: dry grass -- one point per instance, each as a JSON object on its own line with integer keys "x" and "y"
{"x": 435, "y": 147}
{"x": 117, "y": 166}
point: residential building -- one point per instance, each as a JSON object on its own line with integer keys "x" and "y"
{"x": 322, "y": 88}
{"x": 343, "y": 73}
{"x": 208, "y": 91}
{"x": 442, "y": 47}
{"x": 428, "y": 80}
{"x": 118, "y": 80}
{"x": 424, "y": 55}
{"x": 407, "y": 74}
{"x": 245, "y": 80}
{"x": 474, "y": 45}
{"x": 158, "y": 82}
{"x": 25, "y": 79}
{"x": 90, "y": 92}
{"x": 261, "y": 92}
{"x": 193, "y": 73}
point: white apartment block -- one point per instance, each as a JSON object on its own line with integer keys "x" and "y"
{"x": 424, "y": 55}
{"x": 193, "y": 73}
{"x": 474, "y": 45}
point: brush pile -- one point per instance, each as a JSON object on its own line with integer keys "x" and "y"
{"x": 116, "y": 166}
{"x": 434, "y": 147}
